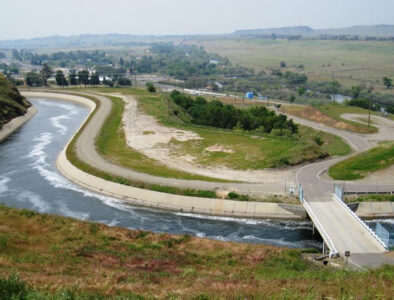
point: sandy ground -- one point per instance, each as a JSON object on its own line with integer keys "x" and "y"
{"x": 144, "y": 134}
{"x": 14, "y": 124}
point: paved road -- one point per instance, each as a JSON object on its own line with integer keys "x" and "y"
{"x": 86, "y": 151}
{"x": 307, "y": 175}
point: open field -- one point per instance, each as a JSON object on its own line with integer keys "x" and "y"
{"x": 358, "y": 166}
{"x": 330, "y": 115}
{"x": 73, "y": 260}
{"x": 374, "y": 60}
{"x": 246, "y": 150}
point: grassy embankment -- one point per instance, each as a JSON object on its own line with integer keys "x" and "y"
{"x": 369, "y": 198}
{"x": 112, "y": 139}
{"x": 12, "y": 103}
{"x": 360, "y": 165}
{"x": 112, "y": 145}
{"x": 330, "y": 115}
{"x": 62, "y": 258}
{"x": 249, "y": 150}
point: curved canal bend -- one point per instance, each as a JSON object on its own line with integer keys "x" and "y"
{"x": 29, "y": 179}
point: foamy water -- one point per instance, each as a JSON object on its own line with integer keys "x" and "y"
{"x": 29, "y": 179}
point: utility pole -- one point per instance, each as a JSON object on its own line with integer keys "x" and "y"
{"x": 332, "y": 89}
{"x": 369, "y": 110}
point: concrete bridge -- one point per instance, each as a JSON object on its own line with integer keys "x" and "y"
{"x": 342, "y": 230}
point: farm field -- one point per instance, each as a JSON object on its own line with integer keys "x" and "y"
{"x": 373, "y": 60}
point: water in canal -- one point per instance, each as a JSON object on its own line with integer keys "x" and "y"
{"x": 29, "y": 179}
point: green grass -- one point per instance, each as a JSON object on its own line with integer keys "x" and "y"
{"x": 251, "y": 151}
{"x": 111, "y": 144}
{"x": 330, "y": 115}
{"x": 53, "y": 257}
{"x": 359, "y": 166}
{"x": 103, "y": 146}
{"x": 319, "y": 57}
{"x": 12, "y": 104}
{"x": 370, "y": 198}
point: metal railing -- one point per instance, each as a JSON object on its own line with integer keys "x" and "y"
{"x": 359, "y": 220}
{"x": 319, "y": 226}
{"x": 326, "y": 237}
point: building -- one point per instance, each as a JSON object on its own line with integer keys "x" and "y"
{"x": 249, "y": 95}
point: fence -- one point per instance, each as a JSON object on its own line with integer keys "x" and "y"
{"x": 338, "y": 194}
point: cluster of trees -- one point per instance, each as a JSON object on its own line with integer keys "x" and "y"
{"x": 39, "y": 79}
{"x": 216, "y": 114}
{"x": 364, "y": 103}
{"x": 183, "y": 61}
{"x": 63, "y": 59}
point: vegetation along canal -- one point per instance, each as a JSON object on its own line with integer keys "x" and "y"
{"x": 29, "y": 179}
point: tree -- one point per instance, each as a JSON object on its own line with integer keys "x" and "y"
{"x": 123, "y": 81}
{"x": 33, "y": 79}
{"x": 83, "y": 77}
{"x": 60, "y": 78}
{"x": 355, "y": 91}
{"x": 46, "y": 72}
{"x": 150, "y": 87}
{"x": 301, "y": 91}
{"x": 388, "y": 82}
{"x": 72, "y": 77}
{"x": 282, "y": 64}
{"x": 108, "y": 82}
{"x": 292, "y": 99}
{"x": 16, "y": 55}
{"x": 95, "y": 79}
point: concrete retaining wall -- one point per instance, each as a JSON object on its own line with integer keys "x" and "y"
{"x": 371, "y": 210}
{"x": 16, "y": 123}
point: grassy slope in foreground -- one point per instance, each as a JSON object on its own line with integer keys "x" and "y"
{"x": 358, "y": 166}
{"x": 12, "y": 104}
{"x": 53, "y": 254}
{"x": 330, "y": 115}
{"x": 250, "y": 152}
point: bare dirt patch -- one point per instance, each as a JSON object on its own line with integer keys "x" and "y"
{"x": 219, "y": 148}
{"x": 157, "y": 145}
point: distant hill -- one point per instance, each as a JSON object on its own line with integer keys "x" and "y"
{"x": 105, "y": 40}
{"x": 77, "y": 41}
{"x": 12, "y": 103}
{"x": 362, "y": 30}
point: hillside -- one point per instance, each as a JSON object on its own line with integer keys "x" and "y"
{"x": 85, "y": 260}
{"x": 361, "y": 30}
{"x": 12, "y": 103}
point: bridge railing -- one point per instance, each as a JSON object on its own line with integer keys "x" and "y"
{"x": 338, "y": 199}
{"x": 326, "y": 237}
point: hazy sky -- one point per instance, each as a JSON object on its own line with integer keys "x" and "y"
{"x": 37, "y": 18}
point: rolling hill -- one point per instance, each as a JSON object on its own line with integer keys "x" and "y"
{"x": 12, "y": 103}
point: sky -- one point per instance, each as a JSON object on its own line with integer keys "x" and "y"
{"x": 39, "y": 18}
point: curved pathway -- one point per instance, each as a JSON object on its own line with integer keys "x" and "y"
{"x": 308, "y": 175}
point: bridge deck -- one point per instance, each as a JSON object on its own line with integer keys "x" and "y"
{"x": 344, "y": 231}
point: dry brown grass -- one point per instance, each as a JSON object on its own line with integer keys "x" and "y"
{"x": 54, "y": 253}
